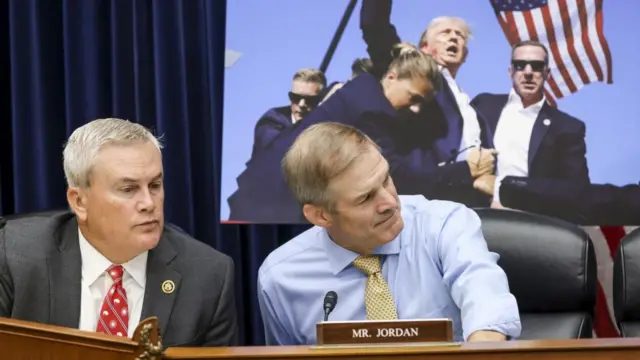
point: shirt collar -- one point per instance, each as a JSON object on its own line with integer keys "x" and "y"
{"x": 340, "y": 258}
{"x": 94, "y": 264}
{"x": 514, "y": 99}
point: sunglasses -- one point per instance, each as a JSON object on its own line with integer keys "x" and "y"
{"x": 536, "y": 65}
{"x": 310, "y": 100}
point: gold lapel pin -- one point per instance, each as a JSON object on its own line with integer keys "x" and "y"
{"x": 168, "y": 286}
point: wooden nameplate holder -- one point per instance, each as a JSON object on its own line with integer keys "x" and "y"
{"x": 384, "y": 332}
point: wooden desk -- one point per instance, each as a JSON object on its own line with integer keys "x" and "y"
{"x": 592, "y": 349}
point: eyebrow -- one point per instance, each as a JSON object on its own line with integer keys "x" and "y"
{"x": 132, "y": 180}
{"x": 369, "y": 191}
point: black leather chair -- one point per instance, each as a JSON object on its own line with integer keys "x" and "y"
{"x": 626, "y": 285}
{"x": 552, "y": 271}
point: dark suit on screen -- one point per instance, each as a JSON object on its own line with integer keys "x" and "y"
{"x": 269, "y": 126}
{"x": 581, "y": 203}
{"x": 263, "y": 195}
{"x": 557, "y": 149}
{"x": 40, "y": 281}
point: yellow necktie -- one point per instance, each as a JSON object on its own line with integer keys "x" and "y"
{"x": 378, "y": 299}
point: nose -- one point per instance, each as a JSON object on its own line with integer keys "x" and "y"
{"x": 528, "y": 70}
{"x": 146, "y": 202}
{"x": 387, "y": 202}
{"x": 302, "y": 103}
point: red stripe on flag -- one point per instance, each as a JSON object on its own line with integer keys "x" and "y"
{"x": 602, "y": 323}
{"x": 584, "y": 29}
{"x": 570, "y": 40}
{"x": 555, "y": 50}
{"x": 613, "y": 235}
{"x": 603, "y": 41}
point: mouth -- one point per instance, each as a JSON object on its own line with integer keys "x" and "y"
{"x": 452, "y": 50}
{"x": 148, "y": 223}
{"x": 529, "y": 85}
{"x": 387, "y": 219}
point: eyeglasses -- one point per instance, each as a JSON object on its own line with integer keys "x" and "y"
{"x": 310, "y": 100}
{"x": 536, "y": 65}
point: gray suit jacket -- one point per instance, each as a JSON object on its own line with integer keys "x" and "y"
{"x": 40, "y": 281}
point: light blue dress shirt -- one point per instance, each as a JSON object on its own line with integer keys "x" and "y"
{"x": 438, "y": 267}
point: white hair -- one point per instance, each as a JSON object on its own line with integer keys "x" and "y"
{"x": 85, "y": 143}
{"x": 441, "y": 19}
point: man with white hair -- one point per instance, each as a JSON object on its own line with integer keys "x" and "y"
{"x": 454, "y": 131}
{"x": 111, "y": 261}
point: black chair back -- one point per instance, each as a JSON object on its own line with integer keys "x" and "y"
{"x": 552, "y": 271}
{"x": 626, "y": 285}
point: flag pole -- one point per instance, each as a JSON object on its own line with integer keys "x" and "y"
{"x": 336, "y": 37}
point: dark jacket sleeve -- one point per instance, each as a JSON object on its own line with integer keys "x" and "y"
{"x": 448, "y": 182}
{"x": 578, "y": 202}
{"x": 378, "y": 33}
{"x": 223, "y": 330}
{"x": 267, "y": 129}
{"x": 574, "y": 161}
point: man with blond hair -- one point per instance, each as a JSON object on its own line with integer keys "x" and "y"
{"x": 385, "y": 256}
{"x": 111, "y": 261}
{"x": 306, "y": 93}
{"x": 449, "y": 127}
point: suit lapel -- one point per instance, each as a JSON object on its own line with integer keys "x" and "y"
{"x": 540, "y": 128}
{"x": 489, "y": 116}
{"x": 65, "y": 277}
{"x": 159, "y": 296}
{"x": 447, "y": 146}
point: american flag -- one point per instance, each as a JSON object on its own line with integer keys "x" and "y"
{"x": 572, "y": 31}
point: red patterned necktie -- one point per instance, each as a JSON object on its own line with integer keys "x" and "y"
{"x": 114, "y": 314}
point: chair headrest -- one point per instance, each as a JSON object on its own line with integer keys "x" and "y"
{"x": 626, "y": 278}
{"x": 550, "y": 263}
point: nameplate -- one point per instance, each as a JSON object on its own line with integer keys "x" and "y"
{"x": 387, "y": 331}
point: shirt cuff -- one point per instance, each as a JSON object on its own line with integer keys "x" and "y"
{"x": 500, "y": 315}
{"x": 496, "y": 189}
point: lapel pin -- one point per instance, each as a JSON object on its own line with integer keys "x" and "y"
{"x": 168, "y": 286}
{"x": 546, "y": 122}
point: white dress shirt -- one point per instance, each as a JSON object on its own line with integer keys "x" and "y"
{"x": 470, "y": 125}
{"x": 512, "y": 138}
{"x": 96, "y": 282}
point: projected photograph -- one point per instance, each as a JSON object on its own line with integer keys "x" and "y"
{"x": 524, "y": 105}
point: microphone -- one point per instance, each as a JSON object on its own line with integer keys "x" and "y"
{"x": 330, "y": 300}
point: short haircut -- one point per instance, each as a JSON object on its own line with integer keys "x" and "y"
{"x": 531, "y": 43}
{"x": 85, "y": 143}
{"x": 321, "y": 153}
{"x": 311, "y": 75}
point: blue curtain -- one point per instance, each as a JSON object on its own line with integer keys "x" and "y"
{"x": 159, "y": 63}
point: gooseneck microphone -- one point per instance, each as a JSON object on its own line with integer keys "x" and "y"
{"x": 330, "y": 300}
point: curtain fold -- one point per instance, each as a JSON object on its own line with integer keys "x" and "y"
{"x": 158, "y": 63}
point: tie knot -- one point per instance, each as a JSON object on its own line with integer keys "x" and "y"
{"x": 369, "y": 264}
{"x": 116, "y": 272}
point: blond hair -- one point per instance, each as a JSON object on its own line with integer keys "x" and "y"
{"x": 441, "y": 19}
{"x": 311, "y": 75}
{"x": 321, "y": 153}
{"x": 408, "y": 62}
{"x": 85, "y": 143}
